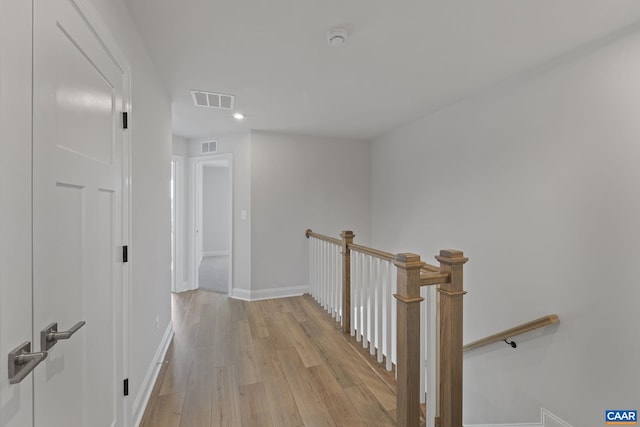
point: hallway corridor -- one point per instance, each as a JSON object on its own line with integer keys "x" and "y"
{"x": 266, "y": 363}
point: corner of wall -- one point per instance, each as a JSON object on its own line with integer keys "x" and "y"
{"x": 262, "y": 294}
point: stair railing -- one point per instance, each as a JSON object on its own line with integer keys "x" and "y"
{"x": 359, "y": 296}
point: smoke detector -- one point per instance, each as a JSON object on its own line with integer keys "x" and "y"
{"x": 337, "y": 37}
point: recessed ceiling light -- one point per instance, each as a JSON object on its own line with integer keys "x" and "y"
{"x": 238, "y": 116}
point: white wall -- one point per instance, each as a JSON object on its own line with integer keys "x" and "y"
{"x": 216, "y": 204}
{"x": 150, "y": 129}
{"x": 239, "y": 145}
{"x": 300, "y": 182}
{"x": 538, "y": 183}
{"x": 180, "y": 146}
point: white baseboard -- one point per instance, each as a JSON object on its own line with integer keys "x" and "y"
{"x": 242, "y": 294}
{"x": 142, "y": 398}
{"x": 260, "y": 294}
{"x": 550, "y": 419}
{"x": 215, "y": 253}
{"x": 547, "y": 419}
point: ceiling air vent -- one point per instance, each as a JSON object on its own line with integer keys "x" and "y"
{"x": 212, "y": 100}
{"x": 208, "y": 147}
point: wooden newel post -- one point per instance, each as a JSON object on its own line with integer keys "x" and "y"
{"x": 451, "y": 262}
{"x": 408, "y": 363}
{"x": 347, "y": 238}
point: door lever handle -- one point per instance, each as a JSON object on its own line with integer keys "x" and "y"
{"x": 22, "y": 362}
{"x": 49, "y": 336}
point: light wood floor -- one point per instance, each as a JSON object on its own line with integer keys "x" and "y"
{"x": 266, "y": 363}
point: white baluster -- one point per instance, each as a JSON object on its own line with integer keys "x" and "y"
{"x": 312, "y": 266}
{"x": 340, "y": 284}
{"x": 325, "y": 300}
{"x": 423, "y": 343}
{"x": 338, "y": 297}
{"x": 379, "y": 309}
{"x": 319, "y": 272}
{"x": 389, "y": 333}
{"x": 394, "y": 316}
{"x": 361, "y": 298}
{"x": 366, "y": 300}
{"x": 354, "y": 292}
{"x": 322, "y": 273}
{"x": 372, "y": 306}
{"x": 314, "y": 248}
{"x": 331, "y": 278}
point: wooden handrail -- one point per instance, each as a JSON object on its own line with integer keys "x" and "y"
{"x": 319, "y": 236}
{"x": 373, "y": 252}
{"x": 428, "y": 278}
{"x": 525, "y": 327}
{"x": 377, "y": 253}
{"x": 429, "y": 268}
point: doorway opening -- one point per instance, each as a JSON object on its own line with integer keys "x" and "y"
{"x": 213, "y": 222}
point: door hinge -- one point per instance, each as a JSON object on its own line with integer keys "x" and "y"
{"x": 125, "y": 253}
{"x": 125, "y": 120}
{"x": 126, "y": 387}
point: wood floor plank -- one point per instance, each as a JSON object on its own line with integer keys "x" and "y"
{"x": 338, "y": 357}
{"x": 225, "y": 408}
{"x": 312, "y": 410}
{"x": 368, "y": 407}
{"x": 256, "y": 322}
{"x": 273, "y": 362}
{"x": 302, "y": 343}
{"x": 237, "y": 309}
{"x": 294, "y": 307}
{"x": 197, "y": 409}
{"x": 333, "y": 397}
{"x": 177, "y": 376}
{"x": 166, "y": 411}
{"x": 223, "y": 341}
{"x": 206, "y": 329}
{"x": 245, "y": 354}
{"x": 381, "y": 391}
{"x": 284, "y": 411}
{"x": 255, "y": 408}
{"x": 278, "y": 331}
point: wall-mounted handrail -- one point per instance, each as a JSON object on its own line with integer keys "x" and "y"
{"x": 508, "y": 333}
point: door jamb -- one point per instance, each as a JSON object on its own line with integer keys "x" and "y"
{"x": 196, "y": 166}
{"x": 179, "y": 223}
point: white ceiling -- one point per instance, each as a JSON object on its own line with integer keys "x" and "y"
{"x": 403, "y": 59}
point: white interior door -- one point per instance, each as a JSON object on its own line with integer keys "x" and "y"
{"x": 77, "y": 219}
{"x": 15, "y": 205}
